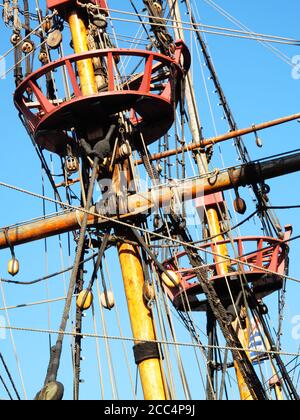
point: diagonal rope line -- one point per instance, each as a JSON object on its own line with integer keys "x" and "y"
{"x": 132, "y": 339}
{"x": 9, "y": 376}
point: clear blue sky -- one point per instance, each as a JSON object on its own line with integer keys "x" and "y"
{"x": 259, "y": 87}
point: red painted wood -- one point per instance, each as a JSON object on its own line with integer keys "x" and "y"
{"x": 145, "y": 85}
{"x": 150, "y": 106}
{"x": 46, "y": 105}
{"x": 269, "y": 254}
{"x": 111, "y": 72}
{"x": 73, "y": 79}
{"x": 60, "y": 5}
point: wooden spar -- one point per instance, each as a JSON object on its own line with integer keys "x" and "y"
{"x": 35, "y": 231}
{"x": 160, "y": 197}
{"x": 224, "y": 137}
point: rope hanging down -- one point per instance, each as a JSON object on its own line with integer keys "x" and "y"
{"x": 57, "y": 351}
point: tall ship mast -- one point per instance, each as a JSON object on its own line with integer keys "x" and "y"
{"x": 166, "y": 272}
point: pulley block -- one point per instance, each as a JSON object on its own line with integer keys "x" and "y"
{"x": 28, "y": 47}
{"x": 54, "y": 39}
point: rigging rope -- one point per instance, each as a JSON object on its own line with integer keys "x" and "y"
{"x": 54, "y": 366}
{"x": 145, "y": 230}
{"x": 50, "y": 276}
{"x": 6, "y": 388}
{"x": 132, "y": 339}
{"x": 274, "y": 50}
{"x": 13, "y": 343}
{"x": 250, "y": 35}
{"x": 190, "y": 29}
{"x": 153, "y": 234}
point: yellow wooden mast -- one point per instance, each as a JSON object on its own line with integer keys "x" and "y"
{"x": 150, "y": 369}
{"x": 141, "y": 320}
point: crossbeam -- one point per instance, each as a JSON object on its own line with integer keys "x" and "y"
{"x": 223, "y": 137}
{"x": 145, "y": 202}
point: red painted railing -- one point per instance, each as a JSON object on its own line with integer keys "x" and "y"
{"x": 254, "y": 257}
{"x": 136, "y": 94}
